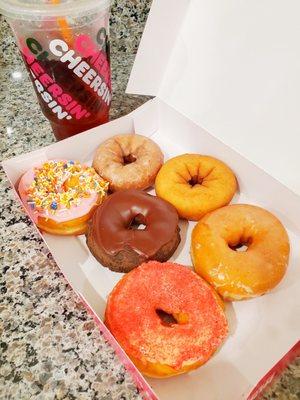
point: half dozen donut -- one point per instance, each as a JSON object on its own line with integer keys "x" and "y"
{"x": 167, "y": 318}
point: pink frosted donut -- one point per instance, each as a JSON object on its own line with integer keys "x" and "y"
{"x": 60, "y": 196}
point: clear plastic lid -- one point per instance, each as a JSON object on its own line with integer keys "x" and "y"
{"x": 48, "y": 10}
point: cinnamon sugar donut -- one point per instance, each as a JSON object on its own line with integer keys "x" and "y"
{"x": 195, "y": 184}
{"x": 238, "y": 275}
{"x": 167, "y": 319}
{"x": 128, "y": 161}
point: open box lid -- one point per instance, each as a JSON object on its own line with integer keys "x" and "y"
{"x": 233, "y": 67}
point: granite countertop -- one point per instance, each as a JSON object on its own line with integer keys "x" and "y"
{"x": 50, "y": 347}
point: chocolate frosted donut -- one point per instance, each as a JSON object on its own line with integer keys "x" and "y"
{"x": 132, "y": 227}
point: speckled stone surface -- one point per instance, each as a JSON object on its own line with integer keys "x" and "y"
{"x": 50, "y": 347}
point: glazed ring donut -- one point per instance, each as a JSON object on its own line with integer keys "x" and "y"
{"x": 167, "y": 319}
{"x": 60, "y": 196}
{"x": 239, "y": 275}
{"x": 195, "y": 184}
{"x": 128, "y": 161}
{"x": 115, "y": 238}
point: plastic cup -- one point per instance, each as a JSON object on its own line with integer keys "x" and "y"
{"x": 65, "y": 47}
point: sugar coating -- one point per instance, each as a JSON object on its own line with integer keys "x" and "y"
{"x": 131, "y": 315}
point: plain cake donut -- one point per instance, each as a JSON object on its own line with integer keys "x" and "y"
{"x": 128, "y": 161}
{"x": 166, "y": 318}
{"x": 237, "y": 275}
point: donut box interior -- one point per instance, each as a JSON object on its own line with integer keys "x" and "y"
{"x": 219, "y": 93}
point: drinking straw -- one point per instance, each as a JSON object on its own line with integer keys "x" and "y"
{"x": 64, "y": 26}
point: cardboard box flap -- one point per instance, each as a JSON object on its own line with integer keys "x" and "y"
{"x": 233, "y": 68}
{"x": 157, "y": 42}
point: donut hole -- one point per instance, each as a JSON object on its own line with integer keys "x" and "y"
{"x": 138, "y": 223}
{"x": 129, "y": 159}
{"x": 195, "y": 180}
{"x": 168, "y": 319}
{"x": 241, "y": 246}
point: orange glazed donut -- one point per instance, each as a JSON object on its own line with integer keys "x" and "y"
{"x": 60, "y": 196}
{"x": 195, "y": 184}
{"x": 128, "y": 161}
{"x": 167, "y": 319}
{"x": 239, "y": 275}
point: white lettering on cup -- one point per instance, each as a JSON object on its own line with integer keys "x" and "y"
{"x": 89, "y": 75}
{"x": 81, "y": 69}
{"x": 96, "y": 83}
{"x": 54, "y": 44}
{"x": 68, "y": 56}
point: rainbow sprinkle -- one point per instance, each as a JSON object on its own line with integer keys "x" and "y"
{"x": 59, "y": 185}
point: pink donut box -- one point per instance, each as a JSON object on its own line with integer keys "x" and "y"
{"x": 219, "y": 79}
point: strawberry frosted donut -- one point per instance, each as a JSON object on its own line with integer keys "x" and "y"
{"x": 128, "y": 161}
{"x": 167, "y": 319}
{"x": 60, "y": 196}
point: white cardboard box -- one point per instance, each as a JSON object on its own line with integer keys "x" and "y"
{"x": 222, "y": 66}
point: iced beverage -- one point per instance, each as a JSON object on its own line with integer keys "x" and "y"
{"x": 65, "y": 47}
